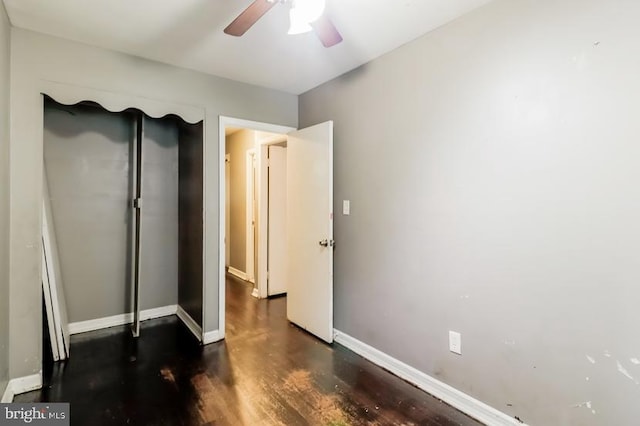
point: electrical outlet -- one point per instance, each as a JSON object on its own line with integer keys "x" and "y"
{"x": 455, "y": 342}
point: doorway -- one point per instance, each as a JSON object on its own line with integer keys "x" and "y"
{"x": 250, "y": 140}
{"x": 308, "y": 250}
{"x": 250, "y": 208}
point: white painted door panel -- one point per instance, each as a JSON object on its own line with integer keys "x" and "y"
{"x": 48, "y": 303}
{"x": 277, "y": 238}
{"x": 310, "y": 229}
{"x": 52, "y": 278}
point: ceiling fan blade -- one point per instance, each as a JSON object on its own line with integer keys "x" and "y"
{"x": 326, "y": 31}
{"x": 248, "y": 17}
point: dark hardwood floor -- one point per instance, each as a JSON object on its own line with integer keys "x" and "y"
{"x": 266, "y": 372}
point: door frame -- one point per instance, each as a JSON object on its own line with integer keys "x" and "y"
{"x": 227, "y": 207}
{"x": 224, "y": 122}
{"x": 251, "y": 222}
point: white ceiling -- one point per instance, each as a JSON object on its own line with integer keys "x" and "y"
{"x": 188, "y": 34}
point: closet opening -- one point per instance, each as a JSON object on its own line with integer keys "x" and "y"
{"x": 123, "y": 234}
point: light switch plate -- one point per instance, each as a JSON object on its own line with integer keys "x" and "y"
{"x": 455, "y": 342}
{"x": 346, "y": 207}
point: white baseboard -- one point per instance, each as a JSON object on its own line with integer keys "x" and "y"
{"x": 255, "y": 293}
{"x": 121, "y": 319}
{"x": 7, "y": 396}
{"x": 190, "y": 323}
{"x": 237, "y": 273}
{"x": 21, "y": 385}
{"x": 163, "y": 311}
{"x": 460, "y": 400}
{"x": 212, "y": 336}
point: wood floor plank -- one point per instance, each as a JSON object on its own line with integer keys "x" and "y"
{"x": 266, "y": 372}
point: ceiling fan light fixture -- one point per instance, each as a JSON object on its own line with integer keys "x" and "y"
{"x": 296, "y": 24}
{"x": 303, "y": 13}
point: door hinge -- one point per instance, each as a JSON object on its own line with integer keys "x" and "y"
{"x": 137, "y": 203}
{"x": 327, "y": 243}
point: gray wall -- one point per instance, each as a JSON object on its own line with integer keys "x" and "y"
{"x": 493, "y": 167}
{"x": 86, "y": 158}
{"x": 4, "y": 198}
{"x": 190, "y": 229}
{"x": 38, "y": 62}
{"x": 237, "y": 145}
{"x": 159, "y": 254}
{"x": 88, "y": 170}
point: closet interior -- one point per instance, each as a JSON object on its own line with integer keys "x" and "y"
{"x": 122, "y": 221}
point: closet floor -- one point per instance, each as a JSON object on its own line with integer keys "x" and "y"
{"x": 266, "y": 372}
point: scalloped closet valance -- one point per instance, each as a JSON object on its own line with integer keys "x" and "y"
{"x": 116, "y": 102}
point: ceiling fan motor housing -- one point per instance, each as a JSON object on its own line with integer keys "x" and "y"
{"x": 309, "y": 11}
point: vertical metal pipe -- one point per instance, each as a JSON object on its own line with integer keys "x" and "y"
{"x": 136, "y": 205}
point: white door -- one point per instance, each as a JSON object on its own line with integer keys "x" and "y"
{"x": 52, "y": 281}
{"x": 48, "y": 303}
{"x": 310, "y": 229}
{"x": 277, "y": 230}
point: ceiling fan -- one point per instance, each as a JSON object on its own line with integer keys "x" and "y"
{"x": 304, "y": 15}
